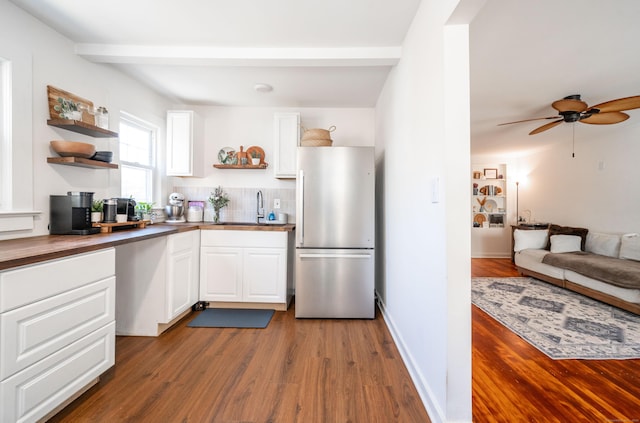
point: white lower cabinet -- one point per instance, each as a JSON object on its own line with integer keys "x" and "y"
{"x": 246, "y": 267}
{"x": 183, "y": 267}
{"x": 157, "y": 282}
{"x": 57, "y": 332}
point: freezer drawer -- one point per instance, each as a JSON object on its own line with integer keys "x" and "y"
{"x": 336, "y": 283}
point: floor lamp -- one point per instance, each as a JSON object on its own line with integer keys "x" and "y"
{"x": 517, "y": 203}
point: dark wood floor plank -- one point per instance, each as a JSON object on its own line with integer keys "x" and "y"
{"x": 513, "y": 381}
{"x": 307, "y": 370}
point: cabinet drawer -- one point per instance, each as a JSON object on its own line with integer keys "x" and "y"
{"x": 31, "y": 333}
{"x": 37, "y": 390}
{"x": 182, "y": 242}
{"x": 32, "y": 283}
{"x": 257, "y": 239}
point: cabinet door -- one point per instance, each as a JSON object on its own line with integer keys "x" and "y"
{"x": 35, "y": 391}
{"x": 287, "y": 138}
{"x": 182, "y": 272}
{"x": 220, "y": 274}
{"x": 184, "y": 138}
{"x": 265, "y": 275}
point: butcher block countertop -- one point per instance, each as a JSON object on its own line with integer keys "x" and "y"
{"x": 24, "y": 251}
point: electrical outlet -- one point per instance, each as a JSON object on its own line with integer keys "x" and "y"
{"x": 276, "y": 203}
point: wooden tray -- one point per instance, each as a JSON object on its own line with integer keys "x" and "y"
{"x": 108, "y": 227}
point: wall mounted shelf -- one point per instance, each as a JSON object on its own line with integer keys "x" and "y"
{"x": 225, "y": 166}
{"x": 82, "y": 128}
{"x": 80, "y": 162}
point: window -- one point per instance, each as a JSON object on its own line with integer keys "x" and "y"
{"x": 137, "y": 158}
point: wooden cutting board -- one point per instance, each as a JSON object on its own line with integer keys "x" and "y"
{"x": 53, "y": 94}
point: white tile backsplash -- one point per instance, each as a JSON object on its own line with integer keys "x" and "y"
{"x": 242, "y": 201}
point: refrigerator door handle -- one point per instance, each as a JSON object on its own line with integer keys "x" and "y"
{"x": 337, "y": 255}
{"x": 301, "y": 211}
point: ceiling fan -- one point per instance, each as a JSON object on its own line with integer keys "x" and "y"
{"x": 573, "y": 109}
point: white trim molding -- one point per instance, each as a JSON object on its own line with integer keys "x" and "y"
{"x": 11, "y": 221}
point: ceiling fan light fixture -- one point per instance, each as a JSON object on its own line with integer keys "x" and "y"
{"x": 572, "y": 109}
{"x": 263, "y": 88}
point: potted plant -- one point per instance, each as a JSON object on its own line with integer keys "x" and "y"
{"x": 68, "y": 109}
{"x": 255, "y": 158}
{"x": 143, "y": 210}
{"x": 96, "y": 211}
{"x": 218, "y": 199}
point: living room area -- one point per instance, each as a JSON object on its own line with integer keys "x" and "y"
{"x": 524, "y": 57}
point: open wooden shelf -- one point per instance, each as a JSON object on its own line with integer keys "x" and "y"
{"x": 226, "y": 166}
{"x": 82, "y": 128}
{"x": 80, "y": 162}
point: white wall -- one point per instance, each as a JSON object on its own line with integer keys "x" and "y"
{"x": 248, "y": 126}
{"x": 54, "y": 63}
{"x": 423, "y": 246}
{"x": 574, "y": 190}
{"x": 596, "y": 189}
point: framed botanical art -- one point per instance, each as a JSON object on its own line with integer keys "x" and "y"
{"x": 491, "y": 173}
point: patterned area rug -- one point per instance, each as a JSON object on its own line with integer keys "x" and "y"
{"x": 560, "y": 323}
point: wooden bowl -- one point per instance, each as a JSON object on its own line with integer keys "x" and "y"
{"x": 73, "y": 149}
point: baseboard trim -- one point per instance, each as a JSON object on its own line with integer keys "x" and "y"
{"x": 426, "y": 395}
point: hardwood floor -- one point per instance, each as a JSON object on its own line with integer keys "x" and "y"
{"x": 292, "y": 371}
{"x": 344, "y": 371}
{"x": 514, "y": 382}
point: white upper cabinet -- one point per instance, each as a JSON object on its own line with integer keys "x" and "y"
{"x": 287, "y": 139}
{"x": 185, "y": 144}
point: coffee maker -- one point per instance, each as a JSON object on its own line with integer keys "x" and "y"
{"x": 71, "y": 214}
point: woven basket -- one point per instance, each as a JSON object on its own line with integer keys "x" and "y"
{"x": 316, "y": 143}
{"x": 317, "y": 133}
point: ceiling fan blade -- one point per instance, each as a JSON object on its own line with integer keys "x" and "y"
{"x": 546, "y": 126}
{"x": 528, "y": 120}
{"x": 605, "y": 118}
{"x": 569, "y": 105}
{"x": 627, "y": 103}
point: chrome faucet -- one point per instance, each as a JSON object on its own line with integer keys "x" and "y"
{"x": 259, "y": 207}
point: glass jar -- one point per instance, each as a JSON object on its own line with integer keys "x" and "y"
{"x": 102, "y": 117}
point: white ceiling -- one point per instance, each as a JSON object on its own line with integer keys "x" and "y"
{"x": 336, "y": 53}
{"x": 329, "y": 53}
{"x": 527, "y": 54}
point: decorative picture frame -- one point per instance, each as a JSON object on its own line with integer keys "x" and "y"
{"x": 491, "y": 173}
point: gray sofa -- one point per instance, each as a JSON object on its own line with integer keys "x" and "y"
{"x": 602, "y": 266}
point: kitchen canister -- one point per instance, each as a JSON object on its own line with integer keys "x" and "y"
{"x": 110, "y": 208}
{"x": 195, "y": 214}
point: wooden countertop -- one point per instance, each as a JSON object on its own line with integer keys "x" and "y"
{"x": 24, "y": 251}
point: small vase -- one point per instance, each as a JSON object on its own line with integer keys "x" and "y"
{"x": 216, "y": 215}
{"x": 255, "y": 161}
{"x": 73, "y": 115}
{"x": 96, "y": 217}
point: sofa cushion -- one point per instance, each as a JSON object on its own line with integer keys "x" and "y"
{"x": 603, "y": 244}
{"x": 525, "y": 239}
{"x": 531, "y": 259}
{"x": 630, "y": 247}
{"x": 565, "y": 243}
{"x": 567, "y": 230}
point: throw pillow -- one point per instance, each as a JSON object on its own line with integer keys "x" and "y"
{"x": 630, "y": 247}
{"x": 567, "y": 230}
{"x": 524, "y": 239}
{"x": 565, "y": 243}
{"x": 603, "y": 244}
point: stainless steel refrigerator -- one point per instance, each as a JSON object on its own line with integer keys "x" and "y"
{"x": 335, "y": 232}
